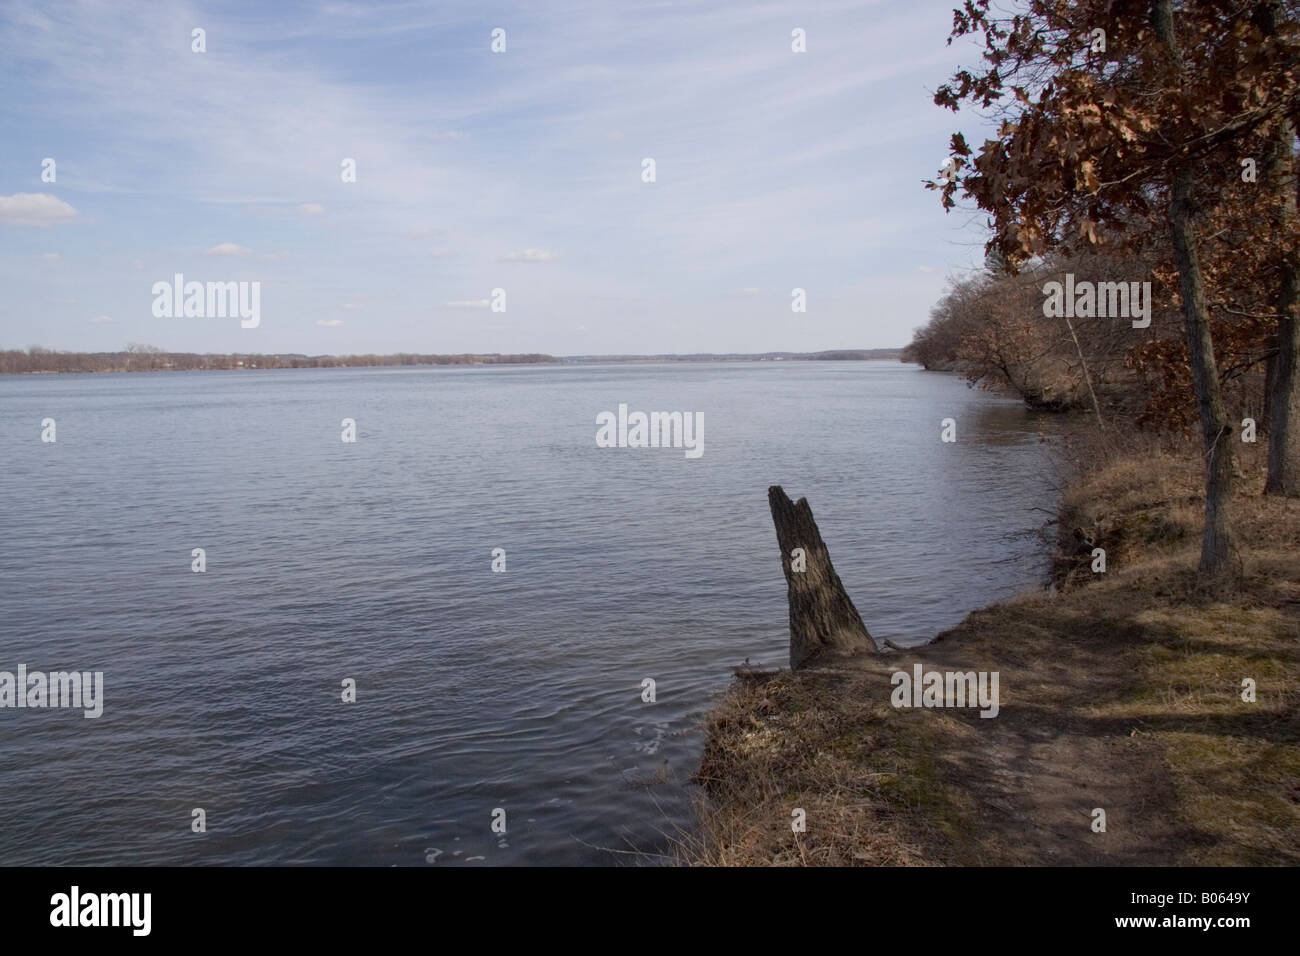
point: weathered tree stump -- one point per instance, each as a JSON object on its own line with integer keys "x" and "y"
{"x": 823, "y": 620}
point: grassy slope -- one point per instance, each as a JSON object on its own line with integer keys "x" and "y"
{"x": 1122, "y": 691}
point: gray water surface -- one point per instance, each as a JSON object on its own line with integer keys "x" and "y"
{"x": 372, "y": 561}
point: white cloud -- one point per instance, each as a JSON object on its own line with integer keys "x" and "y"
{"x": 329, "y": 323}
{"x": 34, "y": 209}
{"x": 351, "y": 306}
{"x": 272, "y": 256}
{"x": 227, "y": 249}
{"x": 468, "y": 304}
{"x": 50, "y": 256}
{"x": 747, "y": 135}
{"x": 437, "y": 253}
{"x": 101, "y": 319}
{"x": 529, "y": 255}
{"x": 311, "y": 209}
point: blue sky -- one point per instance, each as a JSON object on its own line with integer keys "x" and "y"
{"x": 478, "y": 170}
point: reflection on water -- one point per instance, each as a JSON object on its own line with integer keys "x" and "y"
{"x": 476, "y": 691}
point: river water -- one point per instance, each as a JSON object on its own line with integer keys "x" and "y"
{"x": 371, "y": 561}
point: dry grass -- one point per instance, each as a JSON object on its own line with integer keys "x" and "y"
{"x": 783, "y": 742}
{"x": 1122, "y": 691}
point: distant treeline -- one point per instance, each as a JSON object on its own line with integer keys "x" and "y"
{"x": 147, "y": 358}
{"x": 832, "y": 355}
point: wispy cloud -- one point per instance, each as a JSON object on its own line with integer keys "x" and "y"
{"x": 227, "y": 249}
{"x": 801, "y": 167}
{"x": 34, "y": 209}
{"x": 529, "y": 255}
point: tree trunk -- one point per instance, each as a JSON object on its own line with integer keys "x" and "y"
{"x": 1086, "y": 377}
{"x": 823, "y": 621}
{"x": 1284, "y": 400}
{"x": 1270, "y": 376}
{"x": 1220, "y": 560}
{"x": 1283, "y": 384}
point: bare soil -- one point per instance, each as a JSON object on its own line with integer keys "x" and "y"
{"x": 1121, "y": 692}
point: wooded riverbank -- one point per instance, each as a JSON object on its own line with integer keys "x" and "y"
{"x": 1123, "y": 692}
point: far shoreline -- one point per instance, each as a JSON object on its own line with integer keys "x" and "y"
{"x": 51, "y": 362}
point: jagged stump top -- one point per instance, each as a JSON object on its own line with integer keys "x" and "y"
{"x": 823, "y": 620}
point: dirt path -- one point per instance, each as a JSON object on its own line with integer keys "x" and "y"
{"x": 1034, "y": 774}
{"x": 1122, "y": 692}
